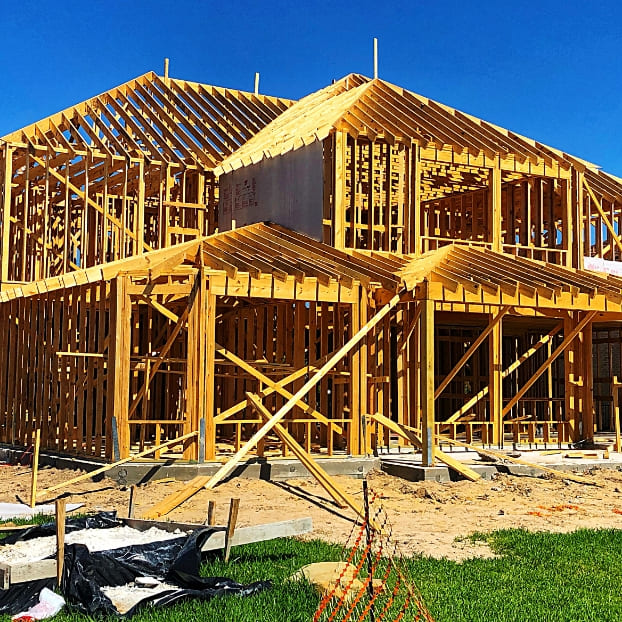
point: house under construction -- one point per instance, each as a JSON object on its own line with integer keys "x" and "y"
{"x": 184, "y": 260}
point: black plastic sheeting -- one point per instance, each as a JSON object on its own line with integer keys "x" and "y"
{"x": 175, "y": 561}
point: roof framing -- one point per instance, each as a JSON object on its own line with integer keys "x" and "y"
{"x": 160, "y": 119}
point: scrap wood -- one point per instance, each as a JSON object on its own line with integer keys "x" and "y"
{"x": 177, "y": 498}
{"x": 107, "y": 467}
{"x": 501, "y": 456}
{"x": 408, "y": 434}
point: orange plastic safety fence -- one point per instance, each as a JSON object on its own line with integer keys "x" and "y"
{"x": 374, "y": 583}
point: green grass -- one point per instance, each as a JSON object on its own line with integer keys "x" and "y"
{"x": 37, "y": 519}
{"x": 538, "y": 577}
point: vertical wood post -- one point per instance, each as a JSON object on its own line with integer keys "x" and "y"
{"x": 356, "y": 389}
{"x": 35, "y": 468}
{"x": 570, "y": 404}
{"x": 496, "y": 381}
{"x": 200, "y": 371}
{"x": 588, "y": 382}
{"x": 60, "y": 539}
{"x": 494, "y": 207}
{"x": 210, "y": 355}
{"x": 118, "y": 373}
{"x": 415, "y": 201}
{"x": 427, "y": 381}
{"x": 7, "y": 178}
{"x": 234, "y": 506}
{"x": 339, "y": 189}
{"x": 578, "y": 219}
{"x": 615, "y": 388}
{"x": 140, "y": 225}
{"x": 567, "y": 225}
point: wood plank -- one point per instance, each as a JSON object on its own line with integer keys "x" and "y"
{"x": 107, "y": 467}
{"x": 409, "y": 434}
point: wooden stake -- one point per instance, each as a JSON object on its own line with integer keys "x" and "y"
{"x": 130, "y": 509}
{"x": 211, "y": 509}
{"x": 35, "y": 469}
{"x": 256, "y": 83}
{"x": 233, "y": 519}
{"x": 60, "y": 539}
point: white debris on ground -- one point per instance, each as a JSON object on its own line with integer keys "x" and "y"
{"x": 124, "y": 597}
{"x": 94, "y": 539}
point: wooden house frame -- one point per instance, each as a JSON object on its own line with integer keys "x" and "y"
{"x": 437, "y": 232}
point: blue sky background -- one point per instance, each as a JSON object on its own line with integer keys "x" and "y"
{"x": 550, "y": 70}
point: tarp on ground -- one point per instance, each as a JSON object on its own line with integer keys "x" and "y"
{"x": 175, "y": 562}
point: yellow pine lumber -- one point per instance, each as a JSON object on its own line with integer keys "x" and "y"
{"x": 336, "y": 492}
{"x": 35, "y": 468}
{"x": 501, "y": 456}
{"x": 280, "y": 414}
{"x": 172, "y": 502}
{"x": 273, "y": 386}
{"x": 409, "y": 435}
{"x": 107, "y": 467}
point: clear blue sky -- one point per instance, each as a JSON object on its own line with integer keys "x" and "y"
{"x": 549, "y": 70}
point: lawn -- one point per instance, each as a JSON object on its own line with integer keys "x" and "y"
{"x": 536, "y": 578}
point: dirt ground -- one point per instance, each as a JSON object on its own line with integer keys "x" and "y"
{"x": 430, "y": 518}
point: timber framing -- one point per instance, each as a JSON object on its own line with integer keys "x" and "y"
{"x": 439, "y": 281}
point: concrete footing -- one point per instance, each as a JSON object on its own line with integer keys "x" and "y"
{"x": 278, "y": 469}
{"x": 404, "y": 465}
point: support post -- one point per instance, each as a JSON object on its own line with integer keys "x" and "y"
{"x": 119, "y": 364}
{"x": 496, "y": 382}
{"x": 615, "y": 388}
{"x": 200, "y": 372}
{"x": 415, "y": 206}
{"x": 7, "y": 178}
{"x": 578, "y": 219}
{"x": 140, "y": 225}
{"x": 494, "y": 207}
{"x": 570, "y": 405}
{"x": 587, "y": 359}
{"x": 567, "y": 226}
{"x": 427, "y": 381}
{"x": 209, "y": 375}
{"x": 339, "y": 186}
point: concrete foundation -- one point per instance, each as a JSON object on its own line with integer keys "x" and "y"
{"x": 140, "y": 472}
{"x": 405, "y": 465}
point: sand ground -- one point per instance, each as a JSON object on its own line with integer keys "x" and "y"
{"x": 430, "y": 518}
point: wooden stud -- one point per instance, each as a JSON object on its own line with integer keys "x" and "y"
{"x": 427, "y": 381}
